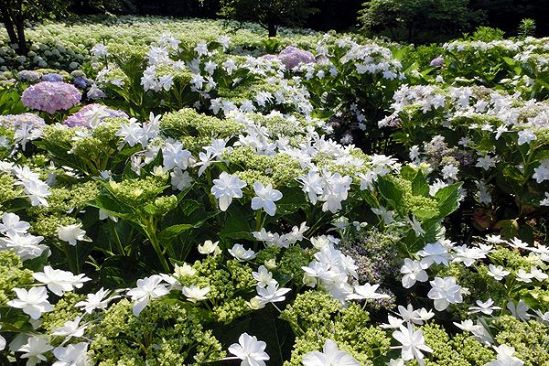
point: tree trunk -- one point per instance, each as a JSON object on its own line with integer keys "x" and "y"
{"x": 271, "y": 27}
{"x": 22, "y": 40}
{"x": 410, "y": 32}
{"x": 8, "y": 24}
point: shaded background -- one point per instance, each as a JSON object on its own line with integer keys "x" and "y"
{"x": 340, "y": 15}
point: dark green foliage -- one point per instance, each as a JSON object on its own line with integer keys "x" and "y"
{"x": 418, "y": 20}
{"x": 269, "y": 13}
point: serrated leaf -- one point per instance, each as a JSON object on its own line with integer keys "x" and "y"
{"x": 420, "y": 187}
{"x": 448, "y": 199}
{"x": 391, "y": 192}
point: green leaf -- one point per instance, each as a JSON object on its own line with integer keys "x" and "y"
{"x": 448, "y": 199}
{"x": 115, "y": 208}
{"x": 420, "y": 187}
{"x": 236, "y": 226}
{"x": 292, "y": 200}
{"x": 121, "y": 271}
{"x": 188, "y": 207}
{"x": 173, "y": 231}
{"x": 391, "y": 192}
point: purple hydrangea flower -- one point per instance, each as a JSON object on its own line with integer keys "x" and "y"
{"x": 92, "y": 115}
{"x": 51, "y": 97}
{"x": 80, "y": 82}
{"x": 292, "y": 56}
{"x": 53, "y": 77}
{"x": 20, "y": 120}
{"x": 437, "y": 62}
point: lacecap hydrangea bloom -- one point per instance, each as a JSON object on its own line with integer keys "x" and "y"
{"x": 292, "y": 56}
{"x": 51, "y": 97}
{"x": 21, "y": 120}
{"x": 91, "y": 115}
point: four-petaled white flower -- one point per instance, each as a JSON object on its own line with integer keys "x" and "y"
{"x": 367, "y": 292}
{"x": 195, "y": 293}
{"x": 450, "y": 171}
{"x": 434, "y": 253}
{"x": 184, "y": 270}
{"x": 478, "y": 330}
{"x": 59, "y": 281}
{"x": 519, "y": 310}
{"x": 263, "y": 276}
{"x": 487, "y": 307}
{"x": 265, "y": 198}
{"x": 33, "y": 302}
{"x": 241, "y": 254}
{"x": 34, "y": 350}
{"x": 174, "y": 156}
{"x": 312, "y": 185}
{"x": 497, "y": 272}
{"x": 249, "y": 350}
{"x": 71, "y": 233}
{"x": 225, "y": 188}
{"x": 416, "y": 316}
{"x": 180, "y": 179}
{"x": 271, "y": 293}
{"x": 526, "y": 136}
{"x": 445, "y": 291}
{"x": 413, "y": 343}
{"x": 99, "y": 50}
{"x": 71, "y": 328}
{"x": 541, "y": 173}
{"x": 209, "y": 247}
{"x": 331, "y": 355}
{"x": 486, "y": 162}
{"x": 413, "y": 271}
{"x": 11, "y": 225}
{"x": 505, "y": 357}
{"x": 72, "y": 355}
{"x": 148, "y": 288}
{"x": 95, "y": 301}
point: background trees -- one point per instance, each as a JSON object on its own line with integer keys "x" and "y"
{"x": 15, "y": 13}
{"x": 418, "y": 20}
{"x": 269, "y": 13}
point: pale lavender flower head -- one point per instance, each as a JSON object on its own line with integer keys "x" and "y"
{"x": 91, "y": 115}
{"x": 437, "y": 62}
{"x": 28, "y": 75}
{"x": 20, "y": 120}
{"x": 292, "y": 56}
{"x": 50, "y": 96}
{"x": 53, "y": 77}
{"x": 269, "y": 57}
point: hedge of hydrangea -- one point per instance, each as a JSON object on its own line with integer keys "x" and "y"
{"x": 190, "y": 197}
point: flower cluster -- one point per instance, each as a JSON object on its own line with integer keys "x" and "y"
{"x": 51, "y": 97}
{"x": 91, "y": 115}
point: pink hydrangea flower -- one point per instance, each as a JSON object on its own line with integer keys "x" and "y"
{"x": 51, "y": 97}
{"x": 292, "y": 56}
{"x": 91, "y": 115}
